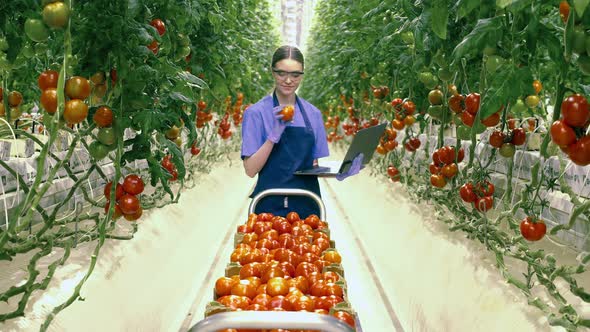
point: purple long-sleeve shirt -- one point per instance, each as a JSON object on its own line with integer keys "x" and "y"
{"x": 258, "y": 122}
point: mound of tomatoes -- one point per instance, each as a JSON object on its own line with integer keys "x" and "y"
{"x": 569, "y": 132}
{"x": 284, "y": 264}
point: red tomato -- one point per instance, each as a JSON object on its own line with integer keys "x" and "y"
{"x": 518, "y": 136}
{"x": 234, "y": 302}
{"x": 564, "y": 10}
{"x": 562, "y": 134}
{"x": 134, "y": 216}
{"x": 304, "y": 303}
{"x": 483, "y": 204}
{"x": 119, "y": 192}
{"x": 409, "y": 106}
{"x": 195, "y": 150}
{"x": 48, "y": 79}
{"x": 438, "y": 181}
{"x": 574, "y": 110}
{"x": 472, "y": 103}
{"x": 280, "y": 301}
{"x": 117, "y": 213}
{"x": 485, "y": 188}
{"x": 103, "y": 117}
{"x": 446, "y": 154}
{"x": 129, "y": 204}
{"x": 332, "y": 256}
{"x": 133, "y": 184}
{"x": 75, "y": 111}
{"x": 159, "y": 25}
{"x": 77, "y": 87}
{"x": 252, "y": 269}
{"x": 450, "y": 170}
{"x": 345, "y": 317}
{"x": 277, "y": 286}
{"x": 467, "y": 194}
{"x": 532, "y": 230}
{"x": 244, "y": 288}
{"x": 49, "y": 100}
{"x": 223, "y": 286}
{"x": 579, "y": 152}
{"x": 460, "y": 155}
{"x": 491, "y": 120}
{"x": 497, "y": 138}
{"x": 262, "y": 299}
{"x": 456, "y": 103}
{"x": 15, "y": 98}
{"x": 468, "y": 119}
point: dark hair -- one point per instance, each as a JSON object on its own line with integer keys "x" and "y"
{"x": 287, "y": 52}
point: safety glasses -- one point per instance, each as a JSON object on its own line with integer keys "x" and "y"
{"x": 282, "y": 74}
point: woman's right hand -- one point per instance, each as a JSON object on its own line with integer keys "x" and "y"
{"x": 279, "y": 125}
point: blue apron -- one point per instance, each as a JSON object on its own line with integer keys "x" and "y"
{"x": 293, "y": 152}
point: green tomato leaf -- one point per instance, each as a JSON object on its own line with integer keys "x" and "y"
{"x": 439, "y": 18}
{"x": 580, "y": 6}
{"x": 465, "y": 7}
{"x": 484, "y": 31}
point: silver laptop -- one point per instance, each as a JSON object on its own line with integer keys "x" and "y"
{"x": 365, "y": 141}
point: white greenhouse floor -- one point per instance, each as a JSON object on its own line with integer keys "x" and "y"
{"x": 405, "y": 271}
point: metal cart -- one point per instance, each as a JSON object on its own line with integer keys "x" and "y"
{"x": 276, "y": 319}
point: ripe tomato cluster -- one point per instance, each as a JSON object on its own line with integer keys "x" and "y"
{"x": 282, "y": 268}
{"x": 170, "y": 167}
{"x": 126, "y": 201}
{"x": 14, "y": 100}
{"x": 350, "y": 128}
{"x": 412, "y": 144}
{"x": 237, "y": 109}
{"x": 77, "y": 89}
{"x": 393, "y": 173}
{"x": 569, "y": 132}
{"x": 333, "y": 123}
{"x": 160, "y": 26}
{"x": 468, "y": 106}
{"x": 443, "y": 166}
{"x": 506, "y": 142}
{"x": 387, "y": 142}
{"x": 202, "y": 116}
{"x": 481, "y": 194}
{"x": 380, "y": 92}
{"x": 403, "y": 112}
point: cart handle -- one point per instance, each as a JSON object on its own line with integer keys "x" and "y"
{"x": 271, "y": 320}
{"x": 287, "y": 192}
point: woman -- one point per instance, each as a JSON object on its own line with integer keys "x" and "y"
{"x": 275, "y": 149}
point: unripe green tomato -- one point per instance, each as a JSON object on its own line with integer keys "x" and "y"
{"x": 36, "y": 30}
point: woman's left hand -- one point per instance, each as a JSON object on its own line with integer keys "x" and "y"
{"x": 354, "y": 169}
